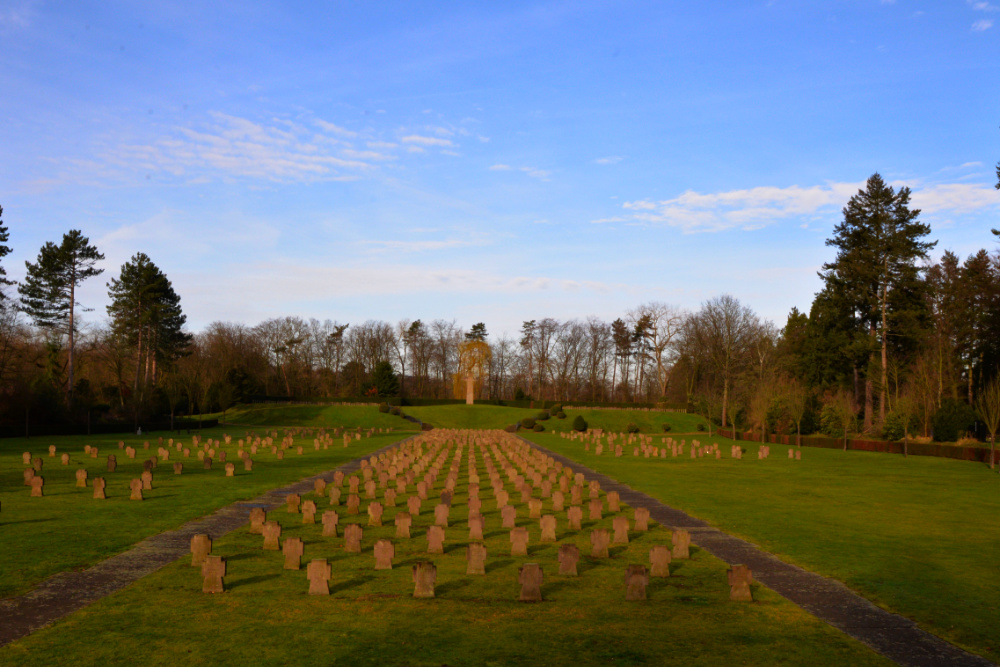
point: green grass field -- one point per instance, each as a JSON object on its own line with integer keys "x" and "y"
{"x": 498, "y": 417}
{"x": 267, "y": 618}
{"x": 920, "y": 535}
{"x": 319, "y": 416}
{"x": 67, "y": 529}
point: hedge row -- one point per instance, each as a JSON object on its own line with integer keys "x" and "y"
{"x": 46, "y": 430}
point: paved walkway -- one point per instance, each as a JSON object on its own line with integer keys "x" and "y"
{"x": 894, "y": 636}
{"x": 67, "y": 592}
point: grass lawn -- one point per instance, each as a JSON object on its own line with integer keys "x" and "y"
{"x": 321, "y": 416}
{"x": 267, "y": 617}
{"x": 920, "y": 536}
{"x": 498, "y": 417}
{"x": 67, "y": 529}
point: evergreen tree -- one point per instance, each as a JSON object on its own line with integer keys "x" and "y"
{"x": 384, "y": 379}
{"x": 145, "y": 310}
{"x": 477, "y": 332}
{"x": 4, "y": 251}
{"x": 875, "y": 272}
{"x": 48, "y": 294}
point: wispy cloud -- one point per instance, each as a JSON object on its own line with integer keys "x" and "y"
{"x": 426, "y": 141}
{"x": 540, "y": 174}
{"x": 421, "y": 246}
{"x": 759, "y": 207}
{"x": 333, "y": 129}
{"x": 611, "y": 159}
{"x": 982, "y": 24}
{"x": 16, "y": 17}
{"x": 501, "y": 167}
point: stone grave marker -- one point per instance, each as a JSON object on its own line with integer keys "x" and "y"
{"x": 147, "y": 480}
{"x": 112, "y": 463}
{"x": 330, "y": 521}
{"x": 375, "y": 514}
{"x": 508, "y": 515}
{"x": 178, "y": 468}
{"x": 596, "y": 506}
{"x": 435, "y": 540}
{"x": 614, "y": 501}
{"x": 575, "y": 516}
{"x": 530, "y": 577}
{"x": 201, "y": 548}
{"x": 136, "y": 487}
{"x": 271, "y": 532}
{"x": 65, "y": 459}
{"x": 308, "y": 512}
{"x": 641, "y": 515}
{"x": 534, "y": 508}
{"x": 319, "y": 572}
{"x": 599, "y": 539}
{"x": 37, "y": 483}
{"x": 257, "y": 518}
{"x": 569, "y": 554}
{"x": 476, "y": 525}
{"x": 353, "y": 504}
{"x": 212, "y": 572}
{"x": 334, "y": 495}
{"x": 413, "y": 505}
{"x": 403, "y": 521}
{"x": 384, "y": 553}
{"x": 682, "y": 543}
{"x": 424, "y": 577}
{"x": 659, "y": 560}
{"x": 441, "y": 512}
{"x": 558, "y": 500}
{"x": 740, "y": 578}
{"x": 352, "y": 538}
{"x": 81, "y": 478}
{"x": 519, "y": 541}
{"x": 620, "y": 525}
{"x": 475, "y": 557}
{"x": 99, "y": 485}
{"x": 636, "y": 580}
{"x": 548, "y": 526}
{"x": 292, "y": 550}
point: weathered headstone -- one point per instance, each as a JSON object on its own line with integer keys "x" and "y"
{"x": 659, "y": 560}
{"x": 403, "y": 522}
{"x": 81, "y": 478}
{"x": 424, "y": 577}
{"x": 620, "y": 525}
{"x": 569, "y": 554}
{"x": 352, "y": 538}
{"x": 334, "y": 495}
{"x": 37, "y": 483}
{"x": 413, "y": 505}
{"x": 476, "y": 524}
{"x": 530, "y": 577}
{"x": 682, "y": 542}
{"x": 136, "y": 487}
{"x": 519, "y": 541}
{"x": 636, "y": 580}
{"x": 353, "y": 504}
{"x": 599, "y": 539}
{"x": 271, "y": 532}
{"x": 308, "y": 512}
{"x": 384, "y": 553}
{"x": 375, "y": 514}
{"x": 475, "y": 557}
{"x": 641, "y": 515}
{"x": 212, "y": 572}
{"x": 534, "y": 508}
{"x": 508, "y": 514}
{"x": 614, "y": 501}
{"x": 112, "y": 463}
{"x": 548, "y": 526}
{"x": 257, "y": 518}
{"x": 330, "y": 521}
{"x": 292, "y": 550}
{"x": 575, "y": 516}
{"x": 558, "y": 501}
{"x": 319, "y": 572}
{"x": 435, "y": 540}
{"x": 596, "y": 507}
{"x": 201, "y": 547}
{"x": 230, "y": 469}
{"x": 99, "y": 485}
{"x": 441, "y": 512}
{"x": 292, "y": 502}
{"x": 740, "y": 578}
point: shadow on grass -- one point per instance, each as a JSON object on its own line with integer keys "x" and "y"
{"x": 351, "y": 583}
{"x": 11, "y": 523}
{"x": 260, "y": 578}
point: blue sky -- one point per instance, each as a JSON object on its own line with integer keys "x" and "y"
{"x": 492, "y": 162}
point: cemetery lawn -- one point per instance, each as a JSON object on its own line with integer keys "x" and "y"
{"x": 499, "y": 417}
{"x": 266, "y": 617}
{"x": 67, "y": 529}
{"x": 317, "y": 416}
{"x": 919, "y": 536}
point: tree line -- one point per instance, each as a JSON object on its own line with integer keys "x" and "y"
{"x": 893, "y": 345}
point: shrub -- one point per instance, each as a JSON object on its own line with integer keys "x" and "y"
{"x": 560, "y": 415}
{"x": 543, "y": 415}
{"x": 666, "y": 427}
{"x": 538, "y": 428}
{"x": 892, "y": 427}
{"x": 527, "y": 422}
{"x": 579, "y": 423}
{"x": 519, "y": 394}
{"x": 701, "y": 427}
{"x": 555, "y": 408}
{"x": 396, "y": 412}
{"x": 951, "y": 419}
{"x": 631, "y": 427}
{"x": 383, "y": 407}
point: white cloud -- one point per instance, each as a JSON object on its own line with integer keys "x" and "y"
{"x": 426, "y": 141}
{"x": 616, "y": 218}
{"x": 981, "y": 6}
{"x": 759, "y": 207}
{"x": 229, "y": 146}
{"x": 501, "y": 167}
{"x": 451, "y": 153}
{"x": 381, "y": 145}
{"x": 540, "y": 174}
{"x": 981, "y": 25}
{"x": 420, "y": 246}
{"x": 611, "y": 159}
{"x": 16, "y": 17}
{"x": 334, "y": 129}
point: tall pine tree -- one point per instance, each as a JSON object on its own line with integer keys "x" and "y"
{"x": 48, "y": 294}
{"x": 4, "y": 251}
{"x": 875, "y": 272}
{"x": 145, "y": 310}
